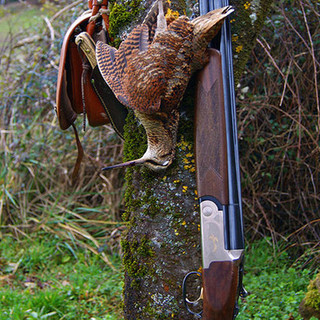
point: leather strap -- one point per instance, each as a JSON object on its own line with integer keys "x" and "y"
{"x": 76, "y": 167}
{"x": 76, "y": 93}
{"x": 99, "y": 7}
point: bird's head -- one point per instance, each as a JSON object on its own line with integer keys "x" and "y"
{"x": 161, "y": 130}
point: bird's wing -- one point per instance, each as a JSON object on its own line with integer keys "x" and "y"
{"x": 145, "y": 82}
{"x": 162, "y": 71}
{"x": 138, "y": 72}
{"x": 178, "y": 44}
{"x": 136, "y": 40}
{"x": 112, "y": 63}
{"x": 106, "y": 60}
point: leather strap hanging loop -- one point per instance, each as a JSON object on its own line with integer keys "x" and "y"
{"x": 99, "y": 8}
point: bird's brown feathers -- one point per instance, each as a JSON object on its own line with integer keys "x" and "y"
{"x": 113, "y": 63}
{"x": 152, "y": 76}
{"x": 151, "y": 70}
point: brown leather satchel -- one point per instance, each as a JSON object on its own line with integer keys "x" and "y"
{"x": 80, "y": 86}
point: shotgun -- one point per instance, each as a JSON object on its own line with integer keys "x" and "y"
{"x": 218, "y": 184}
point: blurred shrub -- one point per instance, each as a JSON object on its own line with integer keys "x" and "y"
{"x": 279, "y": 125}
{"x": 37, "y": 158}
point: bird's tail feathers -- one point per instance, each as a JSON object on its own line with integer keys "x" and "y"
{"x": 209, "y": 24}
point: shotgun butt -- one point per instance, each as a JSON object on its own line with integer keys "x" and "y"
{"x": 220, "y": 287}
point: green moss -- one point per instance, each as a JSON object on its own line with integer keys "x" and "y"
{"x": 137, "y": 253}
{"x": 137, "y": 259}
{"x": 246, "y": 23}
{"x": 312, "y": 298}
{"x": 144, "y": 249}
{"x": 134, "y": 147}
{"x": 135, "y": 138}
{"x": 121, "y": 15}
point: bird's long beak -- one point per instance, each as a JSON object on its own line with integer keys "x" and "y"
{"x": 149, "y": 162}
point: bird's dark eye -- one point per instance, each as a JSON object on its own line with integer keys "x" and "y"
{"x": 153, "y": 162}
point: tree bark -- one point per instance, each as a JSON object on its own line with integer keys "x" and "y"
{"x": 162, "y": 243}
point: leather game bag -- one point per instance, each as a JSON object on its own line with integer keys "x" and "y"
{"x": 80, "y": 86}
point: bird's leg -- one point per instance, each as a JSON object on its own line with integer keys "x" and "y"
{"x": 161, "y": 20}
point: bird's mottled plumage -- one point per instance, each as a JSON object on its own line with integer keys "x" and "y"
{"x": 151, "y": 77}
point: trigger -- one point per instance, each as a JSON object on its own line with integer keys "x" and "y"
{"x": 195, "y": 301}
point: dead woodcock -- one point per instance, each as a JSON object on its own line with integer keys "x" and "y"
{"x": 149, "y": 73}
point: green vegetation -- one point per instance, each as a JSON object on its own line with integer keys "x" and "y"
{"x": 59, "y": 253}
{"x": 275, "y": 287}
{"x": 310, "y": 305}
{"x": 313, "y": 294}
{"x": 47, "y": 277}
{"x": 44, "y": 277}
{"x": 279, "y": 118}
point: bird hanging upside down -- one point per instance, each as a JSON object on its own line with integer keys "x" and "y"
{"x": 150, "y": 74}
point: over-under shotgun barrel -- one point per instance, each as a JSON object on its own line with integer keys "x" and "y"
{"x": 235, "y": 220}
{"x": 222, "y": 42}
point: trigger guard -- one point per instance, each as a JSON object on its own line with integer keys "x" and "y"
{"x": 186, "y": 301}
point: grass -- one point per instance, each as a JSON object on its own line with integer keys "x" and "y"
{"x": 44, "y": 277}
{"x": 275, "y": 287}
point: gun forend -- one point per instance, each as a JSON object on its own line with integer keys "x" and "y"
{"x": 210, "y": 132}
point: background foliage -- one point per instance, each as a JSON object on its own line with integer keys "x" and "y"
{"x": 36, "y": 156}
{"x": 279, "y": 125}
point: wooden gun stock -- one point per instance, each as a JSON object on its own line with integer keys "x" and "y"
{"x": 220, "y": 290}
{"x": 220, "y": 266}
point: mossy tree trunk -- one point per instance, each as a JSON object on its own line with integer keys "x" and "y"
{"x": 162, "y": 243}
